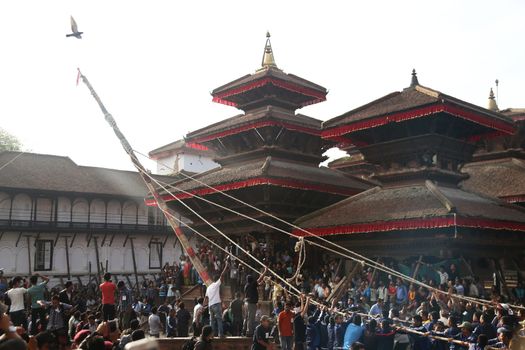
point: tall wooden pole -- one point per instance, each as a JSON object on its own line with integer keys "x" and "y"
{"x": 168, "y": 213}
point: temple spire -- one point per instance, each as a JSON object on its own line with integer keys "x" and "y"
{"x": 414, "y": 81}
{"x": 268, "y": 60}
{"x": 492, "y": 105}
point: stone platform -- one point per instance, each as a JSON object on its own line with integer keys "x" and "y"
{"x": 230, "y": 343}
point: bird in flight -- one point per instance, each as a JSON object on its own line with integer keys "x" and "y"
{"x": 74, "y": 29}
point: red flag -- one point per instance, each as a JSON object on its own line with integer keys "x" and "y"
{"x": 78, "y": 76}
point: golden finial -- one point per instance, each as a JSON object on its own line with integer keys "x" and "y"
{"x": 268, "y": 60}
{"x": 492, "y": 105}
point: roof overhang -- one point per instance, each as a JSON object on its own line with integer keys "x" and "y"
{"x": 413, "y": 224}
{"x": 259, "y": 181}
{"x": 498, "y": 125}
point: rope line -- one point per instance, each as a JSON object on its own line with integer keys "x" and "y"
{"x": 12, "y": 160}
{"x": 364, "y": 260}
{"x": 332, "y": 310}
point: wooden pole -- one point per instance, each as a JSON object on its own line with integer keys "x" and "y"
{"x": 134, "y": 264}
{"x": 337, "y": 294}
{"x": 67, "y": 260}
{"x": 98, "y": 258}
{"x": 168, "y": 213}
{"x": 29, "y": 255}
{"x": 416, "y": 269}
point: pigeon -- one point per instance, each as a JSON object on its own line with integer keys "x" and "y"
{"x": 74, "y": 29}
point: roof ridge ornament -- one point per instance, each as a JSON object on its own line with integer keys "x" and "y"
{"x": 268, "y": 60}
{"x": 492, "y": 105}
{"x": 414, "y": 81}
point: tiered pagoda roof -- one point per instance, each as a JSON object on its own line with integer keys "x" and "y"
{"x": 180, "y": 146}
{"x": 498, "y": 167}
{"x": 269, "y": 155}
{"x": 419, "y": 139}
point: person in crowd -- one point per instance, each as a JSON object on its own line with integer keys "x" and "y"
{"x": 171, "y": 324}
{"x": 126, "y": 334}
{"x": 251, "y": 293}
{"x": 66, "y": 295}
{"x": 16, "y": 295}
{"x": 108, "y": 290}
{"x": 183, "y": 321}
{"x": 57, "y": 322}
{"x": 36, "y": 293}
{"x": 284, "y": 324}
{"x": 261, "y": 337}
{"x": 155, "y": 325}
{"x": 299, "y": 326}
{"x": 198, "y": 311}
{"x": 205, "y": 339}
{"x": 236, "y": 310}
{"x": 213, "y": 300}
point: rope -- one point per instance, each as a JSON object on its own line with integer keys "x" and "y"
{"x": 405, "y": 329}
{"x": 363, "y": 260}
{"x": 221, "y": 233}
{"x": 300, "y": 248}
{"x": 12, "y": 160}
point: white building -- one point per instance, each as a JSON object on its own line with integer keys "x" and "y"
{"x": 183, "y": 156}
{"x": 69, "y": 221}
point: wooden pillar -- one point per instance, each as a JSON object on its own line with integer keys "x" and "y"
{"x": 33, "y": 210}
{"x": 72, "y": 203}
{"x": 134, "y": 264}
{"x": 29, "y": 255}
{"x": 56, "y": 209}
{"x": 89, "y": 214}
{"x": 418, "y": 264}
{"x": 11, "y": 209}
{"x": 67, "y": 260}
{"x": 121, "y": 212}
{"x": 97, "y": 257}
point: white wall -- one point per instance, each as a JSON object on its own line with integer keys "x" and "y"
{"x": 197, "y": 164}
{"x": 184, "y": 161}
{"x": 14, "y": 260}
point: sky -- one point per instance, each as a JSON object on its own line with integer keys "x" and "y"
{"x": 154, "y": 63}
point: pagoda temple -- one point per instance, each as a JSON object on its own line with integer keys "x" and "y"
{"x": 498, "y": 167}
{"x": 418, "y": 140}
{"x": 269, "y": 155}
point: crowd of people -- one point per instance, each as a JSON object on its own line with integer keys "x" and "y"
{"x": 300, "y": 310}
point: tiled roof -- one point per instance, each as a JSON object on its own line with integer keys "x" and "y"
{"x": 496, "y": 177}
{"x": 274, "y": 168}
{"x": 32, "y": 171}
{"x": 268, "y": 72}
{"x": 262, "y": 114}
{"x": 413, "y": 97}
{"x": 411, "y": 202}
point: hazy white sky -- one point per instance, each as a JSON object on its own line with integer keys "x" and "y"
{"x": 155, "y": 62}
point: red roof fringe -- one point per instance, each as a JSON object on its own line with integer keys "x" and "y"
{"x": 514, "y": 199}
{"x": 256, "y": 182}
{"x": 255, "y": 125}
{"x": 413, "y": 224}
{"x": 317, "y": 95}
{"x": 418, "y": 113}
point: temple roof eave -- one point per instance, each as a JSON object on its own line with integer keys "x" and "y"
{"x": 273, "y": 172}
{"x": 421, "y": 206}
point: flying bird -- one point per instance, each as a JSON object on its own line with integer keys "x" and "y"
{"x": 74, "y": 29}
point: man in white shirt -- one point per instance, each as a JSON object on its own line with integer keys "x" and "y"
{"x": 213, "y": 298}
{"x": 197, "y": 317}
{"x": 17, "y": 309}
{"x": 155, "y": 325}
